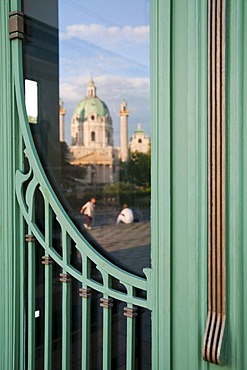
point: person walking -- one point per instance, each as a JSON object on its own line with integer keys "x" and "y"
{"x": 88, "y": 210}
{"x": 126, "y": 215}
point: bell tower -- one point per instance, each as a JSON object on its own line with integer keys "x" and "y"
{"x": 124, "y": 114}
{"x": 62, "y": 113}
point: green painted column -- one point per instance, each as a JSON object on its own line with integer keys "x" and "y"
{"x": 236, "y": 185}
{"x": 11, "y": 243}
{"x": 6, "y": 238}
{"x": 179, "y": 187}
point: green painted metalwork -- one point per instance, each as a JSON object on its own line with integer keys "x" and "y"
{"x": 107, "y": 327}
{"x": 27, "y": 184}
{"x": 130, "y": 347}
{"x": 31, "y": 304}
{"x": 86, "y": 320}
{"x": 176, "y": 286}
{"x": 11, "y": 243}
{"x": 6, "y": 157}
{"x": 161, "y": 174}
{"x": 48, "y": 294}
{"x": 236, "y": 82}
{"x": 36, "y": 178}
{"x": 66, "y": 307}
{"x": 179, "y": 169}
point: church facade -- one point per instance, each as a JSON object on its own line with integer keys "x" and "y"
{"x": 139, "y": 141}
{"x": 92, "y": 145}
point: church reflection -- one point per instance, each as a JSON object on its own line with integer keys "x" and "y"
{"x": 112, "y": 175}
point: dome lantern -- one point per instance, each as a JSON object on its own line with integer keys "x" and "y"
{"x": 91, "y": 89}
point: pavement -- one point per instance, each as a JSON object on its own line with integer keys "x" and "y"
{"x": 129, "y": 244}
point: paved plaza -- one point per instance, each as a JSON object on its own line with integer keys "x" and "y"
{"x": 130, "y": 244}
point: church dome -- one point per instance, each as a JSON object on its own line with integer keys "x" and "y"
{"x": 91, "y": 104}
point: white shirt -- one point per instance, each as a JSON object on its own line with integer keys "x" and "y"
{"x": 126, "y": 216}
{"x": 88, "y": 209}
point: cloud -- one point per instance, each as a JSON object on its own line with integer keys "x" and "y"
{"x": 100, "y": 64}
{"x": 106, "y": 36}
{"x": 120, "y": 67}
{"x": 109, "y": 87}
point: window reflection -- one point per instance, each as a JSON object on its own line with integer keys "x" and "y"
{"x": 88, "y": 138}
{"x": 31, "y": 100}
{"x": 104, "y": 95}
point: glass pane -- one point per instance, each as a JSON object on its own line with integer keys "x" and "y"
{"x": 87, "y": 90}
{"x": 86, "y": 69}
{"x": 105, "y": 123}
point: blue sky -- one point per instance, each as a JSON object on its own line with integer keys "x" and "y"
{"x": 109, "y": 40}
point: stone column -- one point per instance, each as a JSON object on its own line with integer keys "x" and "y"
{"x": 124, "y": 114}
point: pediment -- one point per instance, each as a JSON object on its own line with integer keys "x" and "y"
{"x": 93, "y": 158}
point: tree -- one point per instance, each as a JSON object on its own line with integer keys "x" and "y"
{"x": 69, "y": 173}
{"x": 137, "y": 169}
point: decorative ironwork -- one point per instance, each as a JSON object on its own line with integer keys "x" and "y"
{"x": 46, "y": 260}
{"x": 26, "y": 186}
{"x": 85, "y": 292}
{"x": 106, "y": 302}
{"x": 16, "y": 25}
{"x": 30, "y": 238}
{"x": 213, "y": 346}
{"x": 65, "y": 278}
{"x": 130, "y": 312}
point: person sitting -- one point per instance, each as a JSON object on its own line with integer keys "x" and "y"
{"x": 125, "y": 216}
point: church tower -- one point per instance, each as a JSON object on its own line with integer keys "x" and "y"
{"x": 124, "y": 114}
{"x": 62, "y": 113}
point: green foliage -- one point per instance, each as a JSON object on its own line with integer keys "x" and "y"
{"x": 128, "y": 193}
{"x": 137, "y": 170}
{"x": 69, "y": 173}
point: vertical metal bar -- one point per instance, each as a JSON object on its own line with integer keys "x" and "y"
{"x": 48, "y": 290}
{"x": 218, "y": 168}
{"x": 106, "y": 303}
{"x": 66, "y": 292}
{"x": 107, "y": 326}
{"x": 130, "y": 313}
{"x": 220, "y": 358}
{"x": 86, "y": 319}
{"x": 209, "y": 285}
{"x": 86, "y": 316}
{"x": 22, "y": 295}
{"x": 66, "y": 327}
{"x": 48, "y": 318}
{"x": 212, "y": 175}
{"x": 215, "y": 327}
{"x": 223, "y": 161}
{"x": 31, "y": 303}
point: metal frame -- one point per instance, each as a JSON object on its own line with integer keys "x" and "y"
{"x": 26, "y": 184}
{"x": 178, "y": 284}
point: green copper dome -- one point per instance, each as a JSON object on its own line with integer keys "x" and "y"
{"x": 139, "y": 129}
{"x": 91, "y": 105}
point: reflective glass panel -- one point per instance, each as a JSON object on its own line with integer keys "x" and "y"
{"x": 86, "y": 70}
{"x": 87, "y": 99}
{"x": 105, "y": 123}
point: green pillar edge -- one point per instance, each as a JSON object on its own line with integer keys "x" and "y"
{"x": 6, "y": 314}
{"x": 161, "y": 164}
{"x": 10, "y": 220}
